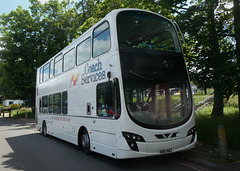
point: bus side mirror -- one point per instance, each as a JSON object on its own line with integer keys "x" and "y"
{"x": 109, "y": 75}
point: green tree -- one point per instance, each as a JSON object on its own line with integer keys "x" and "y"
{"x": 208, "y": 29}
{"x": 215, "y": 59}
{"x": 30, "y": 39}
{"x": 58, "y": 22}
{"x": 165, "y": 8}
{"x": 18, "y": 41}
{"x": 236, "y": 13}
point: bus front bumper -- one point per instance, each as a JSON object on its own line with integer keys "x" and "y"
{"x": 147, "y": 149}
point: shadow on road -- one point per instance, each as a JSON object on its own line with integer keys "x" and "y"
{"x": 32, "y": 151}
{"x": 35, "y": 152}
{"x": 17, "y": 124}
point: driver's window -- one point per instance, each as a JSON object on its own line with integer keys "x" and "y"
{"x": 108, "y": 100}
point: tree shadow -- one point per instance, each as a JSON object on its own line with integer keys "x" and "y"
{"x": 35, "y": 152}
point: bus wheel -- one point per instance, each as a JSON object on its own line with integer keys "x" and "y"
{"x": 85, "y": 142}
{"x": 44, "y": 129}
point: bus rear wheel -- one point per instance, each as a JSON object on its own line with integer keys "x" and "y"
{"x": 85, "y": 142}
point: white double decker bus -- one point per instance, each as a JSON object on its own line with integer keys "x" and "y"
{"x": 121, "y": 89}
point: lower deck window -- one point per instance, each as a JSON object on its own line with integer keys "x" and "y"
{"x": 45, "y": 104}
{"x": 50, "y": 107}
{"x": 64, "y": 103}
{"x": 40, "y": 105}
{"x": 54, "y": 103}
{"x": 57, "y": 103}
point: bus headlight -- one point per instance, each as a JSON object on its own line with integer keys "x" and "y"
{"x": 132, "y": 139}
{"x": 192, "y": 132}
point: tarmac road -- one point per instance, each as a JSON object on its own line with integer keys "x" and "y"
{"x": 24, "y": 148}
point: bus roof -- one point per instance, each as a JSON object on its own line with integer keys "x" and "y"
{"x": 111, "y": 14}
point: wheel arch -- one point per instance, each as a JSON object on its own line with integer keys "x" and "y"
{"x": 80, "y": 132}
{"x": 43, "y": 122}
{"x": 44, "y": 128}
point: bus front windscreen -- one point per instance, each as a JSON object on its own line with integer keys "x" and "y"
{"x": 156, "y": 85}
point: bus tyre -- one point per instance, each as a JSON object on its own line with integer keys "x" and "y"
{"x": 44, "y": 129}
{"x": 85, "y": 142}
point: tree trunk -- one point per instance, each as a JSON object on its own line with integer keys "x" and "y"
{"x": 214, "y": 57}
{"x": 236, "y": 13}
{"x": 205, "y": 89}
{"x": 33, "y": 101}
{"x": 218, "y": 102}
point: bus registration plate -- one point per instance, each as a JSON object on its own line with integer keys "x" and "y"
{"x": 165, "y": 151}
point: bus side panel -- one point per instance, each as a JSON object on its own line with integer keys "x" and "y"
{"x": 61, "y": 127}
{"x": 103, "y": 137}
{"x": 103, "y": 149}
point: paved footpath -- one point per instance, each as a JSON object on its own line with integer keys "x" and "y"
{"x": 208, "y": 155}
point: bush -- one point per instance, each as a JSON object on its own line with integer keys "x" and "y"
{"x": 14, "y": 106}
{"x": 232, "y": 102}
{"x": 22, "y": 112}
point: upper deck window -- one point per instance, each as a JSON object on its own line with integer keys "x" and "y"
{"x": 51, "y": 68}
{"x": 46, "y": 72}
{"x": 84, "y": 51}
{"x": 146, "y": 30}
{"x": 101, "y": 40}
{"x": 69, "y": 60}
{"x": 40, "y": 74}
{"x": 58, "y": 65}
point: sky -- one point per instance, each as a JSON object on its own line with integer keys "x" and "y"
{"x": 6, "y": 6}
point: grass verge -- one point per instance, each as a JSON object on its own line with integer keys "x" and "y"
{"x": 22, "y": 113}
{"x": 207, "y": 126}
